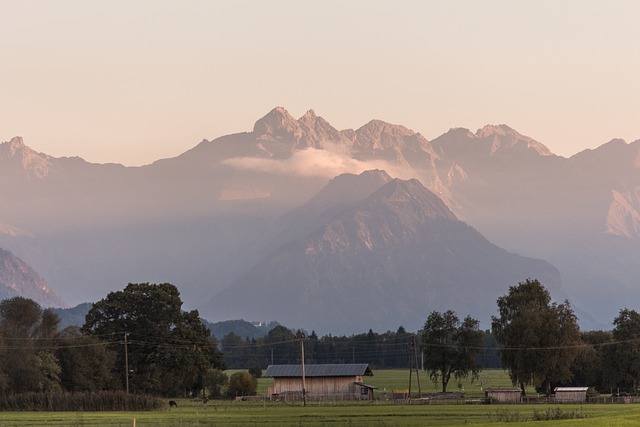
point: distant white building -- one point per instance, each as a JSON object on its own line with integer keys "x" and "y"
{"x": 570, "y": 394}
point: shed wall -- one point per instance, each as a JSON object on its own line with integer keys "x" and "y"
{"x": 571, "y": 396}
{"x": 318, "y": 387}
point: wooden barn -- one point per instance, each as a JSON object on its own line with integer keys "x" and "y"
{"x": 502, "y": 394}
{"x": 570, "y": 394}
{"x": 322, "y": 382}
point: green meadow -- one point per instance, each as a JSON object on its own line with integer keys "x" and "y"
{"x": 374, "y": 414}
{"x": 377, "y": 413}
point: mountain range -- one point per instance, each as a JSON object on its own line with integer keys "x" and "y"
{"x": 296, "y": 221}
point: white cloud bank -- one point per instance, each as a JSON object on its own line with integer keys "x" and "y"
{"x": 314, "y": 162}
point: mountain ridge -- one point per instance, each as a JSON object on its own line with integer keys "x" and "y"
{"x": 202, "y": 220}
{"x": 381, "y": 258}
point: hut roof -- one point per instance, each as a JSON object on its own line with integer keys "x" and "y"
{"x": 574, "y": 389}
{"x": 311, "y": 370}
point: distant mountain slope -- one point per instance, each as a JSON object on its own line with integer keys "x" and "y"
{"x": 387, "y": 261}
{"x": 242, "y": 328}
{"x": 203, "y": 219}
{"x": 19, "y": 279}
{"x": 73, "y": 316}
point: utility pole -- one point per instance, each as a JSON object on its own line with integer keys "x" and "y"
{"x": 410, "y": 371}
{"x": 415, "y": 352}
{"x": 413, "y": 357}
{"x": 304, "y": 385}
{"x": 126, "y": 361}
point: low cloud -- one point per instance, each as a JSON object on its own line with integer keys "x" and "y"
{"x": 313, "y": 162}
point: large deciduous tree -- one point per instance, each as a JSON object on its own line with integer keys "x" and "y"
{"x": 87, "y": 364}
{"x": 539, "y": 339}
{"x": 168, "y": 351}
{"x": 450, "y": 347}
{"x": 27, "y": 362}
{"x": 623, "y": 357}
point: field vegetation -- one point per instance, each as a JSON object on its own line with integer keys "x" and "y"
{"x": 378, "y": 413}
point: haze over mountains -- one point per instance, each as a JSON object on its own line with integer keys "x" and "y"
{"x": 265, "y": 225}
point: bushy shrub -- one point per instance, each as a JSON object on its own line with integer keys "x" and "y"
{"x": 88, "y": 402}
{"x": 242, "y": 384}
{"x": 552, "y": 414}
{"x": 214, "y": 381}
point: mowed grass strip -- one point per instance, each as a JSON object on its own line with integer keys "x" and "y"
{"x": 377, "y": 414}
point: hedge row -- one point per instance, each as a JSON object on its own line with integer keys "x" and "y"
{"x": 88, "y": 402}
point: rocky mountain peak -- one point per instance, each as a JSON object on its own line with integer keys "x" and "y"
{"x": 411, "y": 199}
{"x": 275, "y": 122}
{"x": 32, "y": 163}
{"x": 503, "y": 137}
{"x": 377, "y": 128}
{"x": 458, "y": 133}
{"x": 16, "y": 143}
{"x": 309, "y": 116}
{"x": 499, "y": 130}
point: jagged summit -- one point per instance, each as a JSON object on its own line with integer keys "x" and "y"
{"x": 377, "y": 128}
{"x": 274, "y": 121}
{"x": 310, "y": 115}
{"x": 459, "y": 133}
{"x": 389, "y": 258}
{"x": 349, "y": 188}
{"x": 491, "y": 141}
{"x": 411, "y": 200}
{"x": 503, "y": 137}
{"x": 17, "y": 155}
{"x": 501, "y": 130}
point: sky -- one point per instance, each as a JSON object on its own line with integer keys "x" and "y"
{"x": 133, "y": 81}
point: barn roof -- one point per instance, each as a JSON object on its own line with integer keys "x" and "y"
{"x": 571, "y": 389}
{"x": 311, "y": 370}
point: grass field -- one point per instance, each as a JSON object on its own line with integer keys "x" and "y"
{"x": 376, "y": 413}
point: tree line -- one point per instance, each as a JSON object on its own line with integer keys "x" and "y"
{"x": 140, "y": 341}
{"x": 539, "y": 343}
{"x": 387, "y": 350}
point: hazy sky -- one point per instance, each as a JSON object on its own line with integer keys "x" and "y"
{"x": 134, "y": 81}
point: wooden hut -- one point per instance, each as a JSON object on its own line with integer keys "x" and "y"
{"x": 503, "y": 394}
{"x": 570, "y": 394}
{"x": 322, "y": 382}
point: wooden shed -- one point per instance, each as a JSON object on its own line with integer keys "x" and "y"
{"x": 570, "y": 394}
{"x": 503, "y": 394}
{"x": 322, "y": 382}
